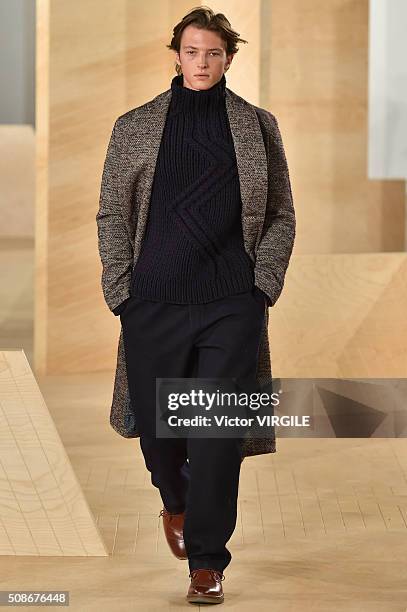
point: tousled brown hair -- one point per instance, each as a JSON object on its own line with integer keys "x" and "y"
{"x": 204, "y": 17}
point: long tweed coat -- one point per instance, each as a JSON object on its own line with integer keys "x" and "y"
{"x": 268, "y": 221}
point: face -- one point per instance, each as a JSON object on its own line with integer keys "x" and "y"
{"x": 202, "y": 52}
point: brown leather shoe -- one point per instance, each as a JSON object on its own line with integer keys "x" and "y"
{"x": 174, "y": 532}
{"x": 206, "y": 586}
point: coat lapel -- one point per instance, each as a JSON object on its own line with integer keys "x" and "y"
{"x": 252, "y": 168}
{"x": 147, "y": 130}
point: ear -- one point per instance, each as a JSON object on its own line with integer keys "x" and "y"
{"x": 229, "y": 59}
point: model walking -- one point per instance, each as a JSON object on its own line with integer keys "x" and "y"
{"x": 196, "y": 227}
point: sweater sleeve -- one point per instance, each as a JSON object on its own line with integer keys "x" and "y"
{"x": 265, "y": 296}
{"x": 121, "y": 307}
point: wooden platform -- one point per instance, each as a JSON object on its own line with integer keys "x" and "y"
{"x": 42, "y": 507}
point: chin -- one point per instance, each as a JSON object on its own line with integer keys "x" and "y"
{"x": 204, "y": 82}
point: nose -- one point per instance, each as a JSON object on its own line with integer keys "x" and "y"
{"x": 202, "y": 63}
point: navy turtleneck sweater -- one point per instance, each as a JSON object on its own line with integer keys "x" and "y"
{"x": 193, "y": 250}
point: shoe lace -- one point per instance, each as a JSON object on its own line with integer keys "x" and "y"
{"x": 216, "y": 574}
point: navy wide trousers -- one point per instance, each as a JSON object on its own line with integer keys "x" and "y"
{"x": 199, "y": 475}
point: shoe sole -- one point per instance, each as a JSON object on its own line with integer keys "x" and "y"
{"x": 204, "y": 599}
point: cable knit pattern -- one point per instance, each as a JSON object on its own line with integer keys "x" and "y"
{"x": 193, "y": 249}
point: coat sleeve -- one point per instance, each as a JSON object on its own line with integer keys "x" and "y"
{"x": 115, "y": 248}
{"x": 278, "y": 233}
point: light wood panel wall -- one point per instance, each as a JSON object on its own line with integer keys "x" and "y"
{"x": 96, "y": 60}
{"x": 319, "y": 91}
{"x": 17, "y": 153}
{"x": 306, "y": 62}
{"x": 342, "y": 316}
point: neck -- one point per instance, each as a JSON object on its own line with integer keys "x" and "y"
{"x": 199, "y": 100}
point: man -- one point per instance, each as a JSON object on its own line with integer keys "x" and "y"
{"x": 196, "y": 227}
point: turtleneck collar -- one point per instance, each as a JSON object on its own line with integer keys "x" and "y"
{"x": 197, "y": 99}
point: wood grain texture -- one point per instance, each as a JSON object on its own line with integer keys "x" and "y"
{"x": 42, "y": 508}
{"x": 318, "y": 88}
{"x": 17, "y": 157}
{"x": 310, "y": 528}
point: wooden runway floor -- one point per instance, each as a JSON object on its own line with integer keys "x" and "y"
{"x": 322, "y": 524}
